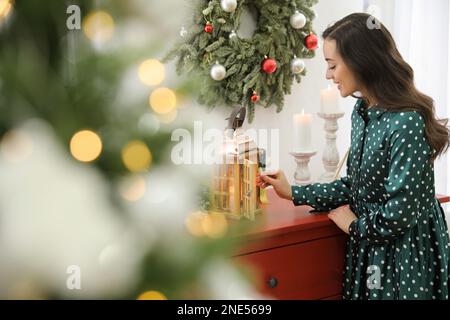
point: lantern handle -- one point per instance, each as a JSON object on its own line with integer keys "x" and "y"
{"x": 236, "y": 118}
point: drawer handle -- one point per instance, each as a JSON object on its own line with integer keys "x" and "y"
{"x": 273, "y": 282}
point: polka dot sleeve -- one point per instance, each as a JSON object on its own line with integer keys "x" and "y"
{"x": 322, "y": 196}
{"x": 409, "y": 153}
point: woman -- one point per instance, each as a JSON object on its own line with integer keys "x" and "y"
{"x": 399, "y": 243}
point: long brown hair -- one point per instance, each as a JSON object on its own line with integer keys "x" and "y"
{"x": 370, "y": 52}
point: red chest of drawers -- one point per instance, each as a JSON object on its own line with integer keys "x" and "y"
{"x": 293, "y": 253}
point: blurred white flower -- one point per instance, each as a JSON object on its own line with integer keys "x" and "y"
{"x": 223, "y": 282}
{"x": 55, "y": 213}
{"x": 171, "y": 194}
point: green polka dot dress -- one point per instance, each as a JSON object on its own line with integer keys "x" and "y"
{"x": 399, "y": 245}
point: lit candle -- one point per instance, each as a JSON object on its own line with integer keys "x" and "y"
{"x": 302, "y": 132}
{"x": 329, "y": 100}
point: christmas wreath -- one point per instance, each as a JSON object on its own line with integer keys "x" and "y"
{"x": 236, "y": 70}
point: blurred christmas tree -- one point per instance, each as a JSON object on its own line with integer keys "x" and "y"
{"x": 86, "y": 179}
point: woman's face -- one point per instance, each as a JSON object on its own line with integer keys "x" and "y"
{"x": 337, "y": 70}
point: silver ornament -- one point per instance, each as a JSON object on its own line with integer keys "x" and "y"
{"x": 297, "y": 65}
{"x": 298, "y": 20}
{"x": 232, "y": 34}
{"x": 228, "y": 5}
{"x": 218, "y": 72}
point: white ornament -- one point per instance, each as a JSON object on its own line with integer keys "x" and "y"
{"x": 218, "y": 72}
{"x": 232, "y": 34}
{"x": 297, "y": 65}
{"x": 298, "y": 20}
{"x": 228, "y": 5}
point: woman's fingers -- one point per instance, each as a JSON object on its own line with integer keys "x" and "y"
{"x": 259, "y": 181}
{"x": 264, "y": 180}
{"x": 267, "y": 179}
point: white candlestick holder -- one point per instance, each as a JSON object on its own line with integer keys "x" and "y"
{"x": 330, "y": 156}
{"x": 302, "y": 175}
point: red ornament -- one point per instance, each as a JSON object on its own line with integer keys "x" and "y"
{"x": 311, "y": 41}
{"x": 254, "y": 97}
{"x": 208, "y": 27}
{"x": 269, "y": 65}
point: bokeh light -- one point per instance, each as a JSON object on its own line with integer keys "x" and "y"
{"x": 133, "y": 188}
{"x": 5, "y": 9}
{"x": 98, "y": 26}
{"x": 194, "y": 223}
{"x": 163, "y": 100}
{"x": 136, "y": 156}
{"x": 16, "y": 146}
{"x": 151, "y": 72}
{"x": 213, "y": 225}
{"x": 152, "y": 295}
{"x": 85, "y": 146}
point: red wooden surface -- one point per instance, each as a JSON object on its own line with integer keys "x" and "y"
{"x": 442, "y": 198}
{"x": 303, "y": 251}
{"x": 282, "y": 223}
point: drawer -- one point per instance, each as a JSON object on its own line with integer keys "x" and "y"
{"x": 308, "y": 270}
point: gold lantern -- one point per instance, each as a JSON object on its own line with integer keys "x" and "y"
{"x": 234, "y": 189}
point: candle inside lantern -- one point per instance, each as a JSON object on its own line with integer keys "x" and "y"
{"x": 302, "y": 132}
{"x": 329, "y": 100}
{"x": 231, "y": 197}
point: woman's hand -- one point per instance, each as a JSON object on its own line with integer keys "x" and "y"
{"x": 278, "y": 181}
{"x": 342, "y": 217}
